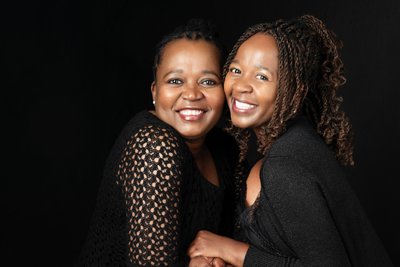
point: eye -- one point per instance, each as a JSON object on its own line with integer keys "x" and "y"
{"x": 208, "y": 82}
{"x": 174, "y": 81}
{"x": 262, "y": 77}
{"x": 234, "y": 70}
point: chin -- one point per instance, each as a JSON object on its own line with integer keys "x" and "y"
{"x": 240, "y": 123}
{"x": 193, "y": 135}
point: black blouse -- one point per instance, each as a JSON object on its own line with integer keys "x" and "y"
{"x": 306, "y": 213}
{"x": 153, "y": 199}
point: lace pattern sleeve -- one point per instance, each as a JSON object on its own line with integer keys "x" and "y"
{"x": 150, "y": 174}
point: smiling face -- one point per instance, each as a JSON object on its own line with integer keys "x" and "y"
{"x": 252, "y": 81}
{"x": 188, "y": 89}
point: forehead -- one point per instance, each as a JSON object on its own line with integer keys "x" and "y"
{"x": 259, "y": 43}
{"x": 190, "y": 49}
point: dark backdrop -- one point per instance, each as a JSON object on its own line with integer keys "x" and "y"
{"x": 76, "y": 71}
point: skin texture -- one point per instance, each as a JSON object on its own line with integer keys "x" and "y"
{"x": 188, "y": 95}
{"x": 205, "y": 262}
{"x": 253, "y": 81}
{"x": 224, "y": 248}
{"x": 188, "y": 79}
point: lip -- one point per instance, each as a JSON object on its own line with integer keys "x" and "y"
{"x": 242, "y": 106}
{"x": 191, "y": 113}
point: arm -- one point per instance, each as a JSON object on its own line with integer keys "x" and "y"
{"x": 150, "y": 174}
{"x": 301, "y": 215}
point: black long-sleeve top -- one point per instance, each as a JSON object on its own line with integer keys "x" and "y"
{"x": 306, "y": 213}
{"x": 153, "y": 199}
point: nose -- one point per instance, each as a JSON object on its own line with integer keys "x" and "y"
{"x": 242, "y": 86}
{"x": 192, "y": 92}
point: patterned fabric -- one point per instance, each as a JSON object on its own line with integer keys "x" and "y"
{"x": 150, "y": 173}
{"x": 153, "y": 199}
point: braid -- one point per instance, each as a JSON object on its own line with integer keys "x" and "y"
{"x": 310, "y": 73}
{"x": 333, "y": 125}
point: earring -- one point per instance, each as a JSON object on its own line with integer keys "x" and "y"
{"x": 154, "y": 102}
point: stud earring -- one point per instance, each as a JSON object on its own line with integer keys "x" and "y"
{"x": 154, "y": 102}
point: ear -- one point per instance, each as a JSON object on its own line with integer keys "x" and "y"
{"x": 153, "y": 90}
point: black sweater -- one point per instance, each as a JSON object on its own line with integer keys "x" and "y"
{"x": 153, "y": 199}
{"x": 306, "y": 213}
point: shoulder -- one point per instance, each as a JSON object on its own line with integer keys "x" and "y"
{"x": 300, "y": 162}
{"x": 151, "y": 150}
{"x": 148, "y": 124}
{"x": 150, "y": 134}
{"x": 285, "y": 173}
{"x": 299, "y": 138}
{"x": 143, "y": 135}
{"x": 146, "y": 129}
{"x": 302, "y": 144}
{"x": 155, "y": 137}
{"x": 289, "y": 189}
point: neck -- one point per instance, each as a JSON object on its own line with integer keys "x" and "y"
{"x": 196, "y": 146}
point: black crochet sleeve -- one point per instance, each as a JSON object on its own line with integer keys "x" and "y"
{"x": 150, "y": 175}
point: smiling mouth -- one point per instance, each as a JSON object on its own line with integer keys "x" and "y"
{"x": 189, "y": 114}
{"x": 240, "y": 106}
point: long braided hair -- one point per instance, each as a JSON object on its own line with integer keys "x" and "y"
{"x": 310, "y": 74}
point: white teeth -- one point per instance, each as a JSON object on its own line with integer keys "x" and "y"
{"x": 190, "y": 112}
{"x": 242, "y": 105}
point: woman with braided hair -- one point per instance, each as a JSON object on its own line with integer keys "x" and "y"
{"x": 295, "y": 206}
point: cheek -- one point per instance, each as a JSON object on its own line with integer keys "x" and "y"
{"x": 216, "y": 99}
{"x": 270, "y": 105}
{"x": 267, "y": 97}
{"x": 166, "y": 97}
{"x": 227, "y": 86}
{"x": 270, "y": 93}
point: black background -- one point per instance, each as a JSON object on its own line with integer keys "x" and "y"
{"x": 76, "y": 71}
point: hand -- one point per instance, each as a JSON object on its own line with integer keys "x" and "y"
{"x": 206, "y": 244}
{"x": 201, "y": 261}
{"x": 210, "y": 245}
{"x": 217, "y": 262}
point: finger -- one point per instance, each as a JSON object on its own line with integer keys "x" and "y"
{"x": 194, "y": 252}
{"x": 191, "y": 250}
{"x": 218, "y": 262}
{"x": 199, "y": 262}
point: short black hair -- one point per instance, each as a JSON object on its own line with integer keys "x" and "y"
{"x": 194, "y": 29}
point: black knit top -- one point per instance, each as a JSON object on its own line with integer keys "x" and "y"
{"x": 306, "y": 213}
{"x": 153, "y": 199}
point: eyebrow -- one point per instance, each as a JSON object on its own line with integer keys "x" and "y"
{"x": 179, "y": 71}
{"x": 258, "y": 66}
{"x": 265, "y": 68}
{"x": 173, "y": 71}
{"x": 211, "y": 72}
